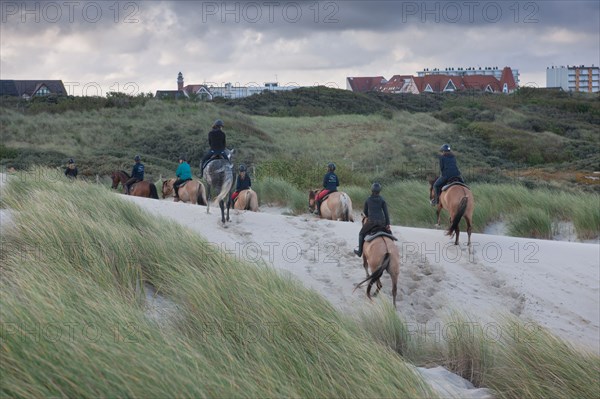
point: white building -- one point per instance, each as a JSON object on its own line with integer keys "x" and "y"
{"x": 574, "y": 78}
{"x": 231, "y": 91}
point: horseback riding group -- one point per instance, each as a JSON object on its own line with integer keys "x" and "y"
{"x": 375, "y": 239}
{"x": 216, "y": 167}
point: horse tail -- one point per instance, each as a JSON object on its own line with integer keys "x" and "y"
{"x": 346, "y": 208}
{"x": 376, "y": 275}
{"x": 153, "y": 192}
{"x": 248, "y": 198}
{"x": 253, "y": 201}
{"x": 201, "y": 196}
{"x": 462, "y": 207}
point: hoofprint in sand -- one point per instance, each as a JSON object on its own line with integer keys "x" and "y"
{"x": 555, "y": 284}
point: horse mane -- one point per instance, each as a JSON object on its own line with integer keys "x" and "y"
{"x": 126, "y": 174}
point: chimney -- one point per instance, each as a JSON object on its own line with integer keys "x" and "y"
{"x": 180, "y": 82}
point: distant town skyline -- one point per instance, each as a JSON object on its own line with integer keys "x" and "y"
{"x": 136, "y": 46}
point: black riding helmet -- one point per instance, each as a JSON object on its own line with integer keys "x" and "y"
{"x": 182, "y": 157}
{"x": 219, "y": 123}
{"x": 71, "y": 161}
{"x": 242, "y": 168}
{"x": 376, "y": 188}
{"x": 331, "y": 166}
{"x": 137, "y": 158}
{"x": 445, "y": 147}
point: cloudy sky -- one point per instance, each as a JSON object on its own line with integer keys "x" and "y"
{"x": 140, "y": 46}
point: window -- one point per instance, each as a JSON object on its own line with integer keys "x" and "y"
{"x": 42, "y": 91}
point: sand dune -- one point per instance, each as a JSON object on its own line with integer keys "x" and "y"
{"x": 555, "y": 284}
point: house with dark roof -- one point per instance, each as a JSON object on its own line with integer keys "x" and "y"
{"x": 31, "y": 88}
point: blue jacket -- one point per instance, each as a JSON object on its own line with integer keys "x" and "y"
{"x": 330, "y": 182}
{"x": 138, "y": 171}
{"x": 376, "y": 210}
{"x": 243, "y": 184}
{"x": 184, "y": 172}
{"x": 448, "y": 166}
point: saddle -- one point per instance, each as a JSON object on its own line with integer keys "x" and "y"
{"x": 455, "y": 181}
{"x": 373, "y": 236}
{"x": 225, "y": 154}
{"x": 184, "y": 183}
{"x": 326, "y": 196}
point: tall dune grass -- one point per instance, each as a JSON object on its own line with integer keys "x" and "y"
{"x": 75, "y": 323}
{"x": 515, "y": 359}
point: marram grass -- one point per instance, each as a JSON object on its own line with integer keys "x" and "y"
{"x": 515, "y": 359}
{"x": 75, "y": 322}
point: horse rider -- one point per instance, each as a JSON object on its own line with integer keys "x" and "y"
{"x": 378, "y": 219}
{"x": 243, "y": 182}
{"x": 71, "y": 170}
{"x": 137, "y": 174}
{"x": 217, "y": 142}
{"x": 448, "y": 170}
{"x": 183, "y": 173}
{"x": 330, "y": 185}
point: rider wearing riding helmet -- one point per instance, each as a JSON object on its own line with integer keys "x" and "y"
{"x": 448, "y": 170}
{"x": 217, "y": 142}
{"x": 137, "y": 174}
{"x": 243, "y": 182}
{"x": 183, "y": 173}
{"x": 71, "y": 170}
{"x": 330, "y": 185}
{"x": 378, "y": 219}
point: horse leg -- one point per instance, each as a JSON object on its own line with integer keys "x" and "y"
{"x": 437, "y": 214}
{"x": 394, "y": 290}
{"x": 222, "y": 206}
{"x": 457, "y": 232}
{"x": 369, "y": 289}
{"x": 228, "y": 206}
{"x": 208, "y": 200}
{"x": 469, "y": 229}
{"x": 366, "y": 265}
{"x": 379, "y": 285}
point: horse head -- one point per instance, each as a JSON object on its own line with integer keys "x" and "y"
{"x": 167, "y": 187}
{"x": 115, "y": 180}
{"x": 431, "y": 181}
{"x": 312, "y": 194}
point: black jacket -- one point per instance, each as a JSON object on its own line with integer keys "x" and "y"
{"x": 71, "y": 172}
{"x": 376, "y": 210}
{"x": 243, "y": 184}
{"x": 448, "y": 166}
{"x": 217, "y": 140}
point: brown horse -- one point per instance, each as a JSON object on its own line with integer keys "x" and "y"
{"x": 458, "y": 201}
{"x": 246, "y": 200}
{"x": 139, "y": 189}
{"x": 380, "y": 254}
{"x": 193, "y": 191}
{"x": 336, "y": 206}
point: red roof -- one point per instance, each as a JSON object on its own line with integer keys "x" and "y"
{"x": 508, "y": 78}
{"x": 438, "y": 82}
{"x": 364, "y": 84}
{"x": 395, "y": 83}
{"x": 481, "y": 82}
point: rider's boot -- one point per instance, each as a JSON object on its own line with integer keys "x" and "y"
{"x": 361, "y": 240}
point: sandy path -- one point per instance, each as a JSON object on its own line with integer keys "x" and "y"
{"x": 553, "y": 283}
